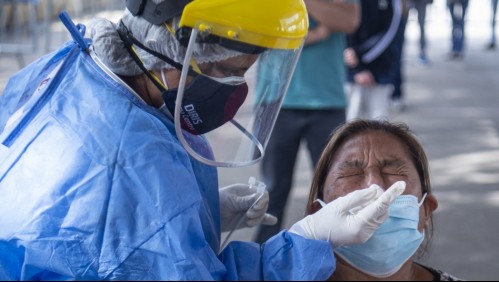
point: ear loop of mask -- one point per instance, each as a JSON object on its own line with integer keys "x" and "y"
{"x": 422, "y": 199}
{"x": 163, "y": 78}
{"x": 320, "y": 202}
{"x": 163, "y": 107}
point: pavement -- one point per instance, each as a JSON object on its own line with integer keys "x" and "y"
{"x": 453, "y": 107}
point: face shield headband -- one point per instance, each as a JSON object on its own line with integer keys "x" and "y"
{"x": 206, "y": 103}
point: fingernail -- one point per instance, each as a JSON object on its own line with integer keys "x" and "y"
{"x": 400, "y": 185}
{"x": 376, "y": 189}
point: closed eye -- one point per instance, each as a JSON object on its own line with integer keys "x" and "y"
{"x": 350, "y": 174}
{"x": 393, "y": 167}
{"x": 350, "y": 169}
{"x": 392, "y": 173}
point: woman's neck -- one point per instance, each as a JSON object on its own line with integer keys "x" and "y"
{"x": 408, "y": 272}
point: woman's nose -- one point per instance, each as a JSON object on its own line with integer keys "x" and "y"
{"x": 374, "y": 176}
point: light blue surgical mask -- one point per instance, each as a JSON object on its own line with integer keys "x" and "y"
{"x": 392, "y": 244}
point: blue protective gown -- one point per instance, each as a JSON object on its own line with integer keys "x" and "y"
{"x": 95, "y": 185}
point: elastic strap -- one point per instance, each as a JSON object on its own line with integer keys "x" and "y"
{"x": 127, "y": 38}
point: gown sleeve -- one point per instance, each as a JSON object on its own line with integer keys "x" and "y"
{"x": 285, "y": 257}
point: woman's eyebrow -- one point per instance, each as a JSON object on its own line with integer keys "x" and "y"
{"x": 351, "y": 164}
{"x": 391, "y": 162}
{"x": 386, "y": 162}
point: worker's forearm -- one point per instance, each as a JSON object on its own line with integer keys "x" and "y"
{"x": 336, "y": 15}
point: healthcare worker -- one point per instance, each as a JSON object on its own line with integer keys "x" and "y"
{"x": 109, "y": 148}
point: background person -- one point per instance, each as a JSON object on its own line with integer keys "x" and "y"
{"x": 492, "y": 42}
{"x": 457, "y": 10}
{"x": 398, "y": 102}
{"x": 420, "y": 6}
{"x": 366, "y": 153}
{"x": 371, "y": 58}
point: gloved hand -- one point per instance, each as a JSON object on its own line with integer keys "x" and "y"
{"x": 238, "y": 208}
{"x": 350, "y": 219}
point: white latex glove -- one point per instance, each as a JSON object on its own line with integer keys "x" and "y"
{"x": 350, "y": 219}
{"x": 244, "y": 205}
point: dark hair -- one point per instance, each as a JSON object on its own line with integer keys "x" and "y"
{"x": 353, "y": 128}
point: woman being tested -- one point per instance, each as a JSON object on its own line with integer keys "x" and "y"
{"x": 380, "y": 154}
{"x": 109, "y": 149}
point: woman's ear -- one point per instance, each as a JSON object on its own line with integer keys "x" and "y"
{"x": 430, "y": 205}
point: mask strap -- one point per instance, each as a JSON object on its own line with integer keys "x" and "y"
{"x": 320, "y": 202}
{"x": 130, "y": 41}
{"x": 158, "y": 82}
{"x": 422, "y": 199}
{"x": 163, "y": 78}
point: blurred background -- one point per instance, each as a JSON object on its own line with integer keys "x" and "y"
{"x": 31, "y": 27}
{"x": 453, "y": 106}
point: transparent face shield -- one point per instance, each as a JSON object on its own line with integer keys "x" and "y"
{"x": 225, "y": 115}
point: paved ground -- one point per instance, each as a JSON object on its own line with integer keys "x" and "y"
{"x": 453, "y": 108}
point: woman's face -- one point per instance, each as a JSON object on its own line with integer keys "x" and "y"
{"x": 373, "y": 157}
